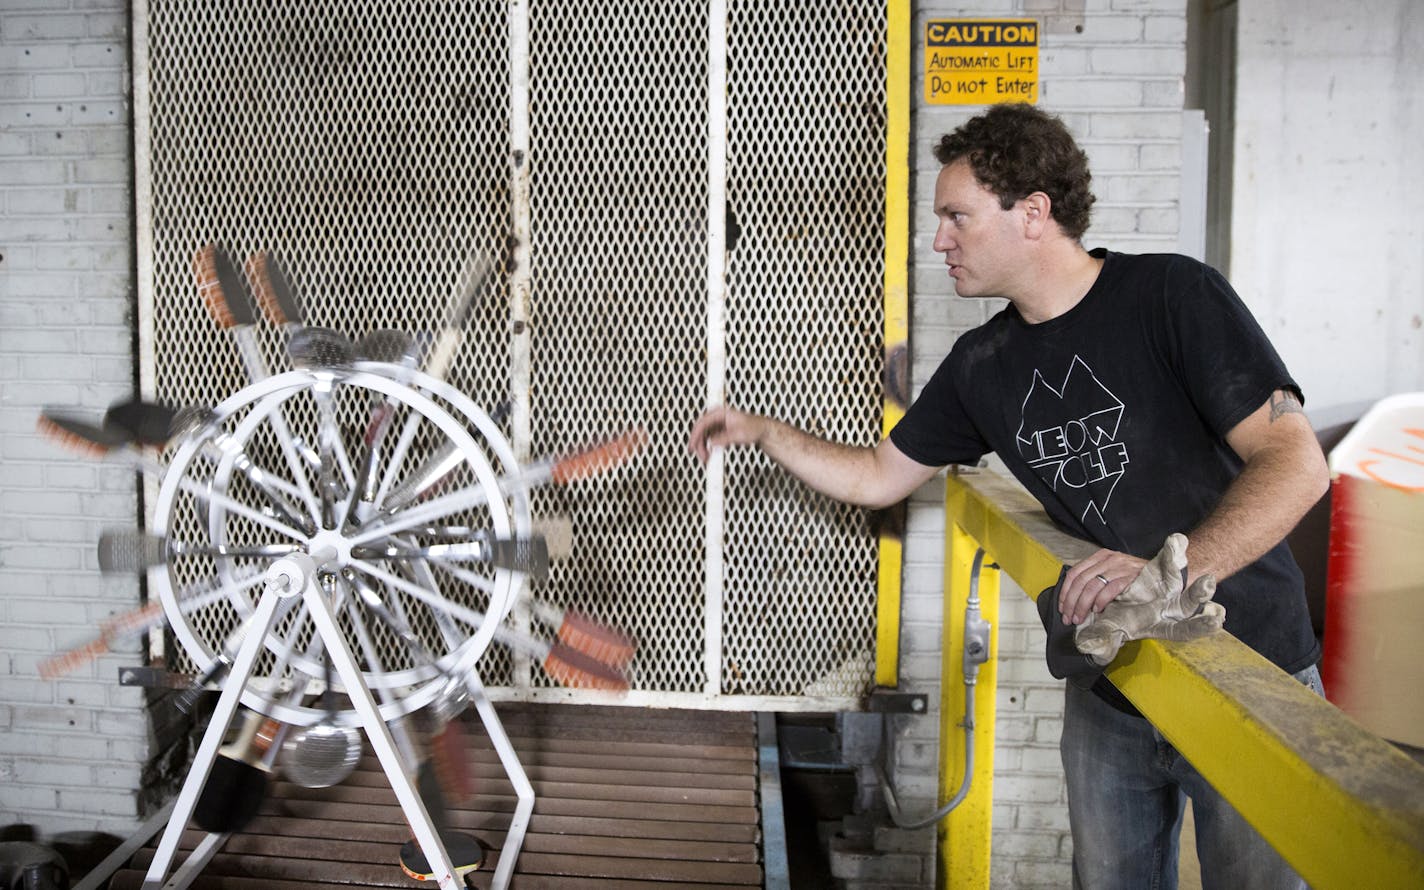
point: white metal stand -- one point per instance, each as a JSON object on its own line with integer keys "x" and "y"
{"x": 514, "y": 838}
{"x": 288, "y": 577}
{"x": 432, "y": 409}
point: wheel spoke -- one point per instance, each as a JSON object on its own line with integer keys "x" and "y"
{"x": 225, "y": 515}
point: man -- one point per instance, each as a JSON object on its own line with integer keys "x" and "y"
{"x": 1135, "y": 397}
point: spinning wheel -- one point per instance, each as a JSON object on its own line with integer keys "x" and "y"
{"x": 355, "y": 519}
{"x": 417, "y": 571}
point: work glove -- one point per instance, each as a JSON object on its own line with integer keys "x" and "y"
{"x": 1154, "y": 605}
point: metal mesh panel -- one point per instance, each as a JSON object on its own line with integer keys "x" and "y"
{"x": 618, "y": 194}
{"x": 805, "y": 337}
{"x": 364, "y": 144}
{"x": 367, "y": 145}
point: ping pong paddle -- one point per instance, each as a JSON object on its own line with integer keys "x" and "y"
{"x": 467, "y": 853}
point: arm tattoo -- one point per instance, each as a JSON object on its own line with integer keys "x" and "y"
{"x": 1284, "y": 402}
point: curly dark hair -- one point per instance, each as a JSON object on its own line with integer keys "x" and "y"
{"x": 1015, "y": 150}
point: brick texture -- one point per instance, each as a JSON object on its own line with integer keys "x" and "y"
{"x": 72, "y": 749}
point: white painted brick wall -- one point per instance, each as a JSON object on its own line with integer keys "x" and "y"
{"x": 1329, "y": 114}
{"x": 71, "y": 749}
{"x": 1113, "y": 71}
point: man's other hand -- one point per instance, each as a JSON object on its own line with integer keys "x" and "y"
{"x": 1157, "y": 604}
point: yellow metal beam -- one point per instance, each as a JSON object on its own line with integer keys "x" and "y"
{"x": 964, "y": 835}
{"x": 1012, "y": 527}
{"x": 897, "y": 308}
{"x": 897, "y": 186}
{"x": 1343, "y": 806}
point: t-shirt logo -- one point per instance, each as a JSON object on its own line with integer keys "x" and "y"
{"x": 1069, "y": 438}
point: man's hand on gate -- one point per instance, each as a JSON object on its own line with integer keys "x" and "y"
{"x": 723, "y": 426}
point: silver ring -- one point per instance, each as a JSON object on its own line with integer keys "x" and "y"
{"x": 1105, "y": 581}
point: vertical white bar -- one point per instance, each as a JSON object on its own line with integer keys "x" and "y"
{"x": 520, "y": 277}
{"x": 520, "y": 274}
{"x": 716, "y": 324}
{"x": 143, "y": 195}
{"x": 143, "y": 240}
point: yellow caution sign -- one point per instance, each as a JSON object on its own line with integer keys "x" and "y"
{"x": 981, "y": 61}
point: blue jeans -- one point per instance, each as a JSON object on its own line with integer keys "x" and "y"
{"x": 1127, "y": 788}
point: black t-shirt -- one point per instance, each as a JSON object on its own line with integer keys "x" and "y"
{"x": 1114, "y": 416}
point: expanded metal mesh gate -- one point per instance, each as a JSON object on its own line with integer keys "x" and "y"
{"x": 375, "y": 147}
